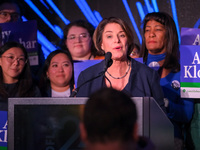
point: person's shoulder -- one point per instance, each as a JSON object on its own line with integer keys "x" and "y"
{"x": 140, "y": 66}
{"x": 97, "y": 67}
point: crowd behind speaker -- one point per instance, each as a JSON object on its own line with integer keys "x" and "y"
{"x": 81, "y": 42}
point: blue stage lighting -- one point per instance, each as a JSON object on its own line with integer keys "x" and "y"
{"x": 197, "y": 24}
{"x": 173, "y": 5}
{"x": 132, "y": 20}
{"x": 38, "y": 12}
{"x": 155, "y": 5}
{"x": 98, "y": 16}
{"x": 58, "y": 12}
{"x": 44, "y": 4}
{"x": 46, "y": 44}
{"x": 140, "y": 10}
{"x": 150, "y": 10}
{"x": 88, "y": 17}
{"x": 87, "y": 12}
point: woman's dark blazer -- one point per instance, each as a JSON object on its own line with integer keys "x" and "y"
{"x": 143, "y": 82}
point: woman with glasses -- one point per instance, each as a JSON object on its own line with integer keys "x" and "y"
{"x": 9, "y": 12}
{"x": 16, "y": 80}
{"x": 57, "y": 79}
{"x": 78, "y": 41}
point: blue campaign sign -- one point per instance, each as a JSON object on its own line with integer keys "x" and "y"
{"x": 24, "y": 33}
{"x": 190, "y": 71}
{"x": 190, "y": 36}
{"x": 3, "y": 129}
{"x": 190, "y": 63}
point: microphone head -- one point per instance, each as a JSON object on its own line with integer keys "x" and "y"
{"x": 108, "y": 56}
{"x": 108, "y": 61}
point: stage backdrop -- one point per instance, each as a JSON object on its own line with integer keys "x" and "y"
{"x": 53, "y": 15}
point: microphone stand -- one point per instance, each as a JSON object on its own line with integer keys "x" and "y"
{"x": 108, "y": 63}
{"x": 76, "y": 90}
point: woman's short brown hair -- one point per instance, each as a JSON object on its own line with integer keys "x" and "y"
{"x": 97, "y": 37}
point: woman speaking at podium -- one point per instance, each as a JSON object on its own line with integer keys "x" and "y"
{"x": 125, "y": 74}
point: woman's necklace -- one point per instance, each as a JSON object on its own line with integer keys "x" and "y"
{"x": 129, "y": 66}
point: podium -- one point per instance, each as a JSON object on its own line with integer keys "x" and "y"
{"x": 153, "y": 123}
{"x": 53, "y": 123}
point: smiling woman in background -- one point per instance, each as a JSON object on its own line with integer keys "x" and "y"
{"x": 16, "y": 80}
{"x": 78, "y": 41}
{"x": 57, "y": 79}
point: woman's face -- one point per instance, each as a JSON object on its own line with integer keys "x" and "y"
{"x": 155, "y": 37}
{"x": 79, "y": 43}
{"x": 114, "y": 40}
{"x": 10, "y": 13}
{"x": 59, "y": 71}
{"x": 12, "y": 63}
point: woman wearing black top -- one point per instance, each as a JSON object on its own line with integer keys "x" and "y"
{"x": 15, "y": 75}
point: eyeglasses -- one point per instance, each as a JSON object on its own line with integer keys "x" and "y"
{"x": 12, "y": 59}
{"x": 134, "y": 53}
{"x": 83, "y": 37}
{"x": 14, "y": 15}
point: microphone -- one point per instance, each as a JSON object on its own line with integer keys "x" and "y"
{"x": 108, "y": 63}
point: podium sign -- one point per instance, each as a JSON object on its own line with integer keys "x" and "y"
{"x": 53, "y": 123}
{"x": 190, "y": 63}
{"x": 190, "y": 71}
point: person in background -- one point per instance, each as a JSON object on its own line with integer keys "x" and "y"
{"x": 160, "y": 49}
{"x": 57, "y": 79}
{"x": 12, "y": 11}
{"x": 135, "y": 52}
{"x": 78, "y": 41}
{"x": 109, "y": 122}
{"x": 9, "y": 11}
{"x": 125, "y": 74}
{"x": 16, "y": 80}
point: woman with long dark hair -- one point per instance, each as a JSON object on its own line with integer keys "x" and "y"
{"x": 15, "y": 74}
{"x": 160, "y": 50}
{"x": 57, "y": 79}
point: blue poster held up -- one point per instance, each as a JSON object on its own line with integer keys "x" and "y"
{"x": 23, "y": 32}
{"x": 190, "y": 62}
{"x": 190, "y": 36}
{"x": 190, "y": 76}
{"x": 3, "y": 130}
